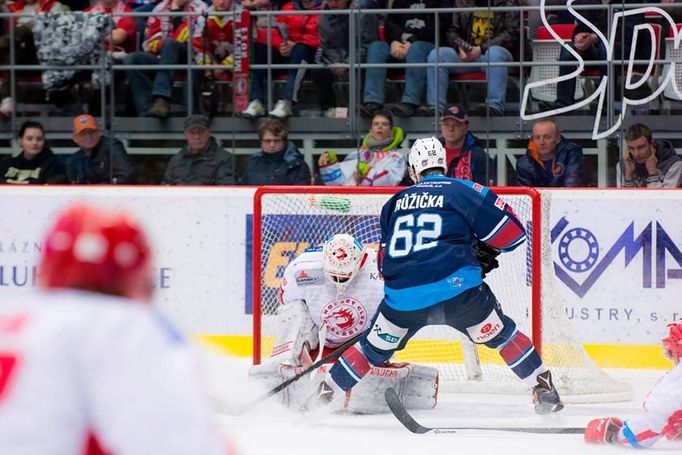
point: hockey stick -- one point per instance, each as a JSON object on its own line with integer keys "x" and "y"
{"x": 404, "y": 417}
{"x": 238, "y": 410}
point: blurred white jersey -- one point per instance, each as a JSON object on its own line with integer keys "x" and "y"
{"x": 346, "y": 313}
{"x": 78, "y": 367}
{"x": 663, "y": 410}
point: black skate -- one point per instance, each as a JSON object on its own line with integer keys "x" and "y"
{"x": 545, "y": 396}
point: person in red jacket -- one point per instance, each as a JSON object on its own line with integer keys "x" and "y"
{"x": 122, "y": 35}
{"x": 294, "y": 38}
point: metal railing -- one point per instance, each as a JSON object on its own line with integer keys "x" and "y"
{"x": 231, "y": 128}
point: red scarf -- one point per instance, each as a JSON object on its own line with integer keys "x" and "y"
{"x": 461, "y": 161}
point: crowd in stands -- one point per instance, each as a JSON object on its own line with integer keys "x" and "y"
{"x": 551, "y": 160}
{"x": 206, "y": 28}
{"x": 205, "y": 36}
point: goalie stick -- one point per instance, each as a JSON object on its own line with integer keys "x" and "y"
{"x": 238, "y": 410}
{"x": 404, "y": 417}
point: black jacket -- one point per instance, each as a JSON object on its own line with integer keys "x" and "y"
{"x": 417, "y": 26}
{"x": 45, "y": 167}
{"x": 211, "y": 166}
{"x": 97, "y": 168}
{"x": 283, "y": 168}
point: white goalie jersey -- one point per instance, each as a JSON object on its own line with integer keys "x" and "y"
{"x": 318, "y": 315}
{"x": 340, "y": 312}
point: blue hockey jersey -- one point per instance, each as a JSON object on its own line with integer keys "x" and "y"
{"x": 429, "y": 233}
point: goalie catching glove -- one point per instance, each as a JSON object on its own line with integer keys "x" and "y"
{"x": 487, "y": 257}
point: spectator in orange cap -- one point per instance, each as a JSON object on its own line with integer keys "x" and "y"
{"x": 99, "y": 159}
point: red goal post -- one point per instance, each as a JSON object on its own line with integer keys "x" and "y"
{"x": 259, "y": 263}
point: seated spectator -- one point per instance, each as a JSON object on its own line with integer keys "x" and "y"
{"x": 201, "y": 161}
{"x": 409, "y": 37}
{"x": 378, "y": 162}
{"x": 24, "y": 46}
{"x": 36, "y": 163}
{"x": 551, "y": 160}
{"x": 279, "y": 162}
{"x": 165, "y": 44}
{"x": 99, "y": 160}
{"x": 334, "y": 32}
{"x": 590, "y": 48}
{"x": 648, "y": 163}
{"x": 294, "y": 39}
{"x": 466, "y": 157}
{"x": 216, "y": 44}
{"x": 123, "y": 35}
{"x": 481, "y": 37}
{"x": 142, "y": 6}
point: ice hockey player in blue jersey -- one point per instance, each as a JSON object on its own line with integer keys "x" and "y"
{"x": 435, "y": 236}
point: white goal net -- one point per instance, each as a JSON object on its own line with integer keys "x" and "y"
{"x": 289, "y": 219}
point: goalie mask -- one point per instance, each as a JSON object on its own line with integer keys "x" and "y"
{"x": 672, "y": 344}
{"x": 342, "y": 257}
{"x": 98, "y": 251}
{"x": 426, "y": 153}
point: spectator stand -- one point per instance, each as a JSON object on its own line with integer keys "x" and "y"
{"x": 671, "y": 99}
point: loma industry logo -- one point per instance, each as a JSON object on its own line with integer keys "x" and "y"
{"x": 653, "y": 241}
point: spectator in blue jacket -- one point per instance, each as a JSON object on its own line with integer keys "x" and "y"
{"x": 551, "y": 160}
{"x": 279, "y": 162}
{"x": 99, "y": 159}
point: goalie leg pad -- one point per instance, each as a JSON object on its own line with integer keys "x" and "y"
{"x": 416, "y": 385}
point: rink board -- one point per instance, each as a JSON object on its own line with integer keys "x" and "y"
{"x": 620, "y": 278}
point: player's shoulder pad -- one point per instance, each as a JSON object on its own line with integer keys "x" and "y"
{"x": 307, "y": 268}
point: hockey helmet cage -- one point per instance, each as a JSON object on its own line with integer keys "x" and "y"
{"x": 426, "y": 153}
{"x": 342, "y": 257}
{"x": 98, "y": 251}
{"x": 672, "y": 344}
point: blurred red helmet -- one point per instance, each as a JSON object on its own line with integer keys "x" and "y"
{"x": 98, "y": 251}
{"x": 672, "y": 344}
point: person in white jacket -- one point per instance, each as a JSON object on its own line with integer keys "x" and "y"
{"x": 662, "y": 414}
{"x": 87, "y": 365}
{"x": 378, "y": 161}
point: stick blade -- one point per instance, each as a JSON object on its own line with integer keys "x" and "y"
{"x": 401, "y": 413}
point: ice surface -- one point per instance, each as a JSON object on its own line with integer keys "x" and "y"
{"x": 271, "y": 429}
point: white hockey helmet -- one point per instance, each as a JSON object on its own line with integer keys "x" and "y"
{"x": 426, "y": 153}
{"x": 342, "y": 256}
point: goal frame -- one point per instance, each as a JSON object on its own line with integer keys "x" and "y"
{"x": 536, "y": 247}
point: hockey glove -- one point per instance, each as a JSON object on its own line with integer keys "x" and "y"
{"x": 673, "y": 430}
{"x": 603, "y": 431}
{"x": 487, "y": 257}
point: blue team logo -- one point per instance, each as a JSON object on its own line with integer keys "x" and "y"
{"x": 581, "y": 260}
